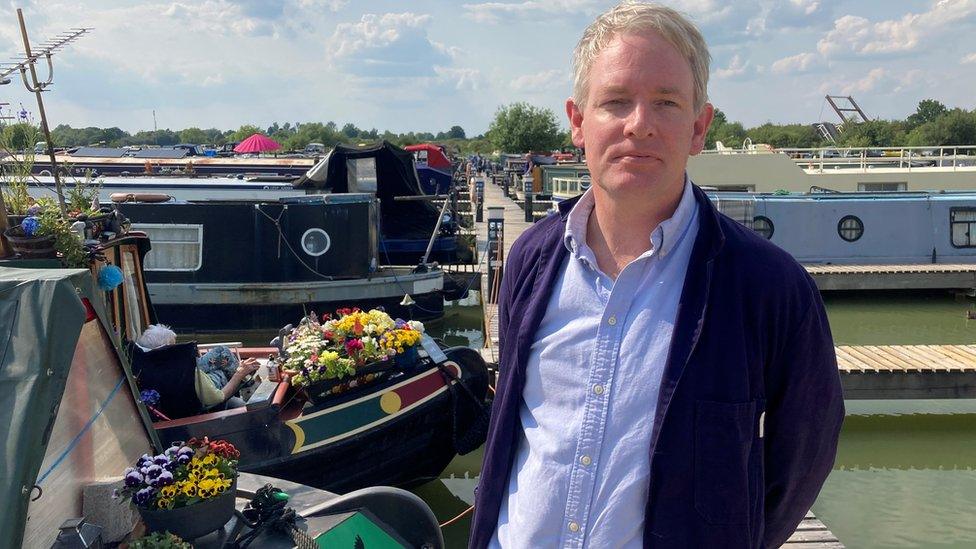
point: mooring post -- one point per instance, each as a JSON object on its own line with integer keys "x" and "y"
{"x": 479, "y": 191}
{"x": 527, "y": 189}
{"x": 496, "y": 243}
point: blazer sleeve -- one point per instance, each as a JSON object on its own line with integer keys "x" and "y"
{"x": 804, "y": 413}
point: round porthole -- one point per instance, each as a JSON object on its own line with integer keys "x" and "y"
{"x": 850, "y": 228}
{"x": 763, "y": 225}
{"x": 316, "y": 242}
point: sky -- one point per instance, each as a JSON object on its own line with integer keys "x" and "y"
{"x": 426, "y": 65}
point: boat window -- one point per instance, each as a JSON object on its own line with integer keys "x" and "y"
{"x": 882, "y": 187}
{"x": 131, "y": 286}
{"x": 850, "y": 228}
{"x": 962, "y": 222}
{"x": 316, "y": 242}
{"x": 420, "y": 156}
{"x": 763, "y": 225}
{"x": 174, "y": 247}
{"x": 362, "y": 175}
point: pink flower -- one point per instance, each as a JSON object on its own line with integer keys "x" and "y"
{"x": 353, "y": 346}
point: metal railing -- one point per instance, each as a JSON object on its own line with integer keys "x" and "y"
{"x": 818, "y": 160}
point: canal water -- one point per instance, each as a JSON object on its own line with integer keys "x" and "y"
{"x": 906, "y": 470}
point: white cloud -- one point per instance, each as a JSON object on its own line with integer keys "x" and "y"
{"x": 969, "y": 59}
{"x": 460, "y": 78}
{"x": 860, "y": 36}
{"x": 879, "y": 81}
{"x": 391, "y": 45}
{"x": 799, "y": 63}
{"x": 737, "y": 69}
{"x": 495, "y": 12}
{"x": 542, "y": 81}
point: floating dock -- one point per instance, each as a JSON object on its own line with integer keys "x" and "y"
{"x": 935, "y": 276}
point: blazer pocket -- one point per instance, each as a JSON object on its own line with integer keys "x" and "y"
{"x": 724, "y": 438}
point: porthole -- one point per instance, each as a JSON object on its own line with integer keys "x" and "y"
{"x": 763, "y": 225}
{"x": 316, "y": 242}
{"x": 850, "y": 228}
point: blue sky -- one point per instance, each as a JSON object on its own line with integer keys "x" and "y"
{"x": 426, "y": 65}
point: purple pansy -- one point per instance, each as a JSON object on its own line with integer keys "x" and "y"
{"x": 133, "y": 478}
{"x": 149, "y": 397}
{"x": 153, "y": 471}
{"x": 34, "y": 210}
{"x": 145, "y": 460}
{"x": 161, "y": 460}
{"x": 144, "y": 497}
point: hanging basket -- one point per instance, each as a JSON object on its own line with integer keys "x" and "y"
{"x": 31, "y": 247}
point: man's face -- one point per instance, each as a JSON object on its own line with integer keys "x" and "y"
{"x": 639, "y": 125}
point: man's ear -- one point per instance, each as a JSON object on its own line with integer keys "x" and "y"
{"x": 702, "y": 122}
{"x": 575, "y": 116}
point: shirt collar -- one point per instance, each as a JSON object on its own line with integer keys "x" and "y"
{"x": 663, "y": 237}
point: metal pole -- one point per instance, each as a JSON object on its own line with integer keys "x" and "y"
{"x": 479, "y": 191}
{"x": 496, "y": 242}
{"x": 40, "y": 107}
{"x": 527, "y": 189}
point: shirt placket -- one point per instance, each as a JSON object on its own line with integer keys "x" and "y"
{"x": 595, "y": 409}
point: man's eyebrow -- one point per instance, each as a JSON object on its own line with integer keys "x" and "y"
{"x": 660, "y": 90}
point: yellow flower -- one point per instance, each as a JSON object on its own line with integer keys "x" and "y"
{"x": 164, "y": 503}
{"x": 209, "y": 460}
{"x": 168, "y": 491}
{"x": 189, "y": 489}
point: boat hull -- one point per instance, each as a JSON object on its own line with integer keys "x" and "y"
{"x": 399, "y": 433}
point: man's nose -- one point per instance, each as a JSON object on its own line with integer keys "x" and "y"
{"x": 640, "y": 121}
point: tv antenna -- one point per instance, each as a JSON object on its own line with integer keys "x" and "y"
{"x": 27, "y": 63}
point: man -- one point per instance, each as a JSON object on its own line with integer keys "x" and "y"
{"x": 667, "y": 376}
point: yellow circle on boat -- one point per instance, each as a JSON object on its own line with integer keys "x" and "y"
{"x": 390, "y": 402}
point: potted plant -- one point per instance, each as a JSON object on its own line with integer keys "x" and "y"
{"x": 188, "y": 490}
{"x": 159, "y": 540}
{"x": 44, "y": 233}
{"x": 347, "y": 351}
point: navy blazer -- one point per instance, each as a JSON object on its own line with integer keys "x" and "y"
{"x": 750, "y": 406}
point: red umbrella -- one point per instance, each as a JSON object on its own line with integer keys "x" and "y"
{"x": 257, "y": 143}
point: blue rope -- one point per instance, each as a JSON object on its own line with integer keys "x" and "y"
{"x": 74, "y": 442}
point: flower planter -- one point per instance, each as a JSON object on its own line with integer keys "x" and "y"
{"x": 31, "y": 247}
{"x": 323, "y": 391}
{"x": 193, "y": 521}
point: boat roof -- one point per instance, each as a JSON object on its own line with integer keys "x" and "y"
{"x": 873, "y": 196}
{"x": 102, "y": 152}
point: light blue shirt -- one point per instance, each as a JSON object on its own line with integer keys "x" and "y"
{"x": 593, "y": 375}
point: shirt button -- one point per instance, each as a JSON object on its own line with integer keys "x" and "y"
{"x": 612, "y": 321}
{"x": 598, "y": 389}
{"x": 573, "y": 527}
{"x": 585, "y": 460}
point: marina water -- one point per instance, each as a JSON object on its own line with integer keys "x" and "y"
{"x": 905, "y": 474}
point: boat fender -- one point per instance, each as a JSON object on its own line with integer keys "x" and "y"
{"x": 140, "y": 197}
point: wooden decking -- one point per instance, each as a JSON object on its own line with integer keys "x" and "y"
{"x": 951, "y": 276}
{"x": 812, "y": 534}
{"x": 907, "y": 371}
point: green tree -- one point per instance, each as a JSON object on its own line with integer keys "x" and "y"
{"x": 456, "y": 132}
{"x": 731, "y": 134}
{"x": 245, "y": 131}
{"x": 193, "y": 135}
{"x": 521, "y": 128}
{"x": 787, "y": 135}
{"x": 928, "y": 110}
{"x": 955, "y": 127}
{"x": 873, "y": 133}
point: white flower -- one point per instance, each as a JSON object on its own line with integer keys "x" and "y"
{"x": 416, "y": 325}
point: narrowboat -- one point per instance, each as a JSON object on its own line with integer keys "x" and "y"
{"x": 74, "y": 421}
{"x": 253, "y": 265}
{"x": 434, "y": 171}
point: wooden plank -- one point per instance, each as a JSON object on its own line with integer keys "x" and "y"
{"x": 867, "y": 359}
{"x": 884, "y": 358}
{"x": 947, "y": 359}
{"x": 906, "y": 357}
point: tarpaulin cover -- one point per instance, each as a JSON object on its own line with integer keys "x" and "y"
{"x": 395, "y": 176}
{"x": 41, "y": 318}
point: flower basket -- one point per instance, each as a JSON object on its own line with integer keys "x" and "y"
{"x": 31, "y": 247}
{"x": 193, "y": 521}
{"x": 341, "y": 354}
{"x": 188, "y": 490}
{"x": 323, "y": 391}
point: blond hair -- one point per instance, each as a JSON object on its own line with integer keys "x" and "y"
{"x": 636, "y": 17}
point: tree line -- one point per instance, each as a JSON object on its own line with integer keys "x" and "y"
{"x": 521, "y": 127}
